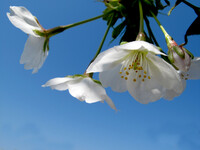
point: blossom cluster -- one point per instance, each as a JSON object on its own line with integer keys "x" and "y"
{"x": 138, "y": 66}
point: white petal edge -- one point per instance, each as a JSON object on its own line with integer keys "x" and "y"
{"x": 140, "y": 45}
{"x": 59, "y": 83}
{"x": 107, "y": 60}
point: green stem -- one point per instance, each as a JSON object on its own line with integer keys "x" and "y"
{"x": 141, "y": 18}
{"x": 100, "y": 46}
{"x": 167, "y": 36}
{"x": 60, "y": 29}
{"x": 103, "y": 40}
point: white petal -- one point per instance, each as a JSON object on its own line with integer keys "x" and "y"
{"x": 144, "y": 92}
{"x": 110, "y": 102}
{"x": 144, "y": 89}
{"x": 165, "y": 73}
{"x": 23, "y": 19}
{"x": 140, "y": 45}
{"x": 84, "y": 89}
{"x": 89, "y": 91}
{"x": 107, "y": 60}
{"x": 194, "y": 71}
{"x": 171, "y": 93}
{"x": 33, "y": 55}
{"x": 112, "y": 78}
{"x": 60, "y": 84}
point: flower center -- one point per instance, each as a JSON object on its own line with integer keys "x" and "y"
{"x": 135, "y": 66}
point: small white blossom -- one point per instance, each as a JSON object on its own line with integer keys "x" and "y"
{"x": 36, "y": 47}
{"x": 135, "y": 67}
{"x": 81, "y": 87}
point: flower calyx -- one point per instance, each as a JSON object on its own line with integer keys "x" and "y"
{"x": 141, "y": 37}
{"x": 85, "y": 75}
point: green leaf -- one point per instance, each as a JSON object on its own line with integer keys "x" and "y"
{"x": 117, "y": 30}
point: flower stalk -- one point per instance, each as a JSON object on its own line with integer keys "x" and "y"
{"x": 141, "y": 17}
{"x": 100, "y": 46}
{"x": 168, "y": 38}
{"x": 56, "y": 30}
{"x": 141, "y": 35}
{"x": 103, "y": 40}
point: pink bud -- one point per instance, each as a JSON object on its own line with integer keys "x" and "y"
{"x": 180, "y": 58}
{"x": 183, "y": 64}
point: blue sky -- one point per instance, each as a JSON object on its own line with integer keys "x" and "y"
{"x": 36, "y": 118}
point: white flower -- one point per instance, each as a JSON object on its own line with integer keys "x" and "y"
{"x": 81, "y": 87}
{"x": 135, "y": 67}
{"x": 36, "y": 47}
{"x": 193, "y": 73}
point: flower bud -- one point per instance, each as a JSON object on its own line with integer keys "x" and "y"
{"x": 179, "y": 56}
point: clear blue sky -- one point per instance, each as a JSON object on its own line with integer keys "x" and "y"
{"x": 36, "y": 118}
